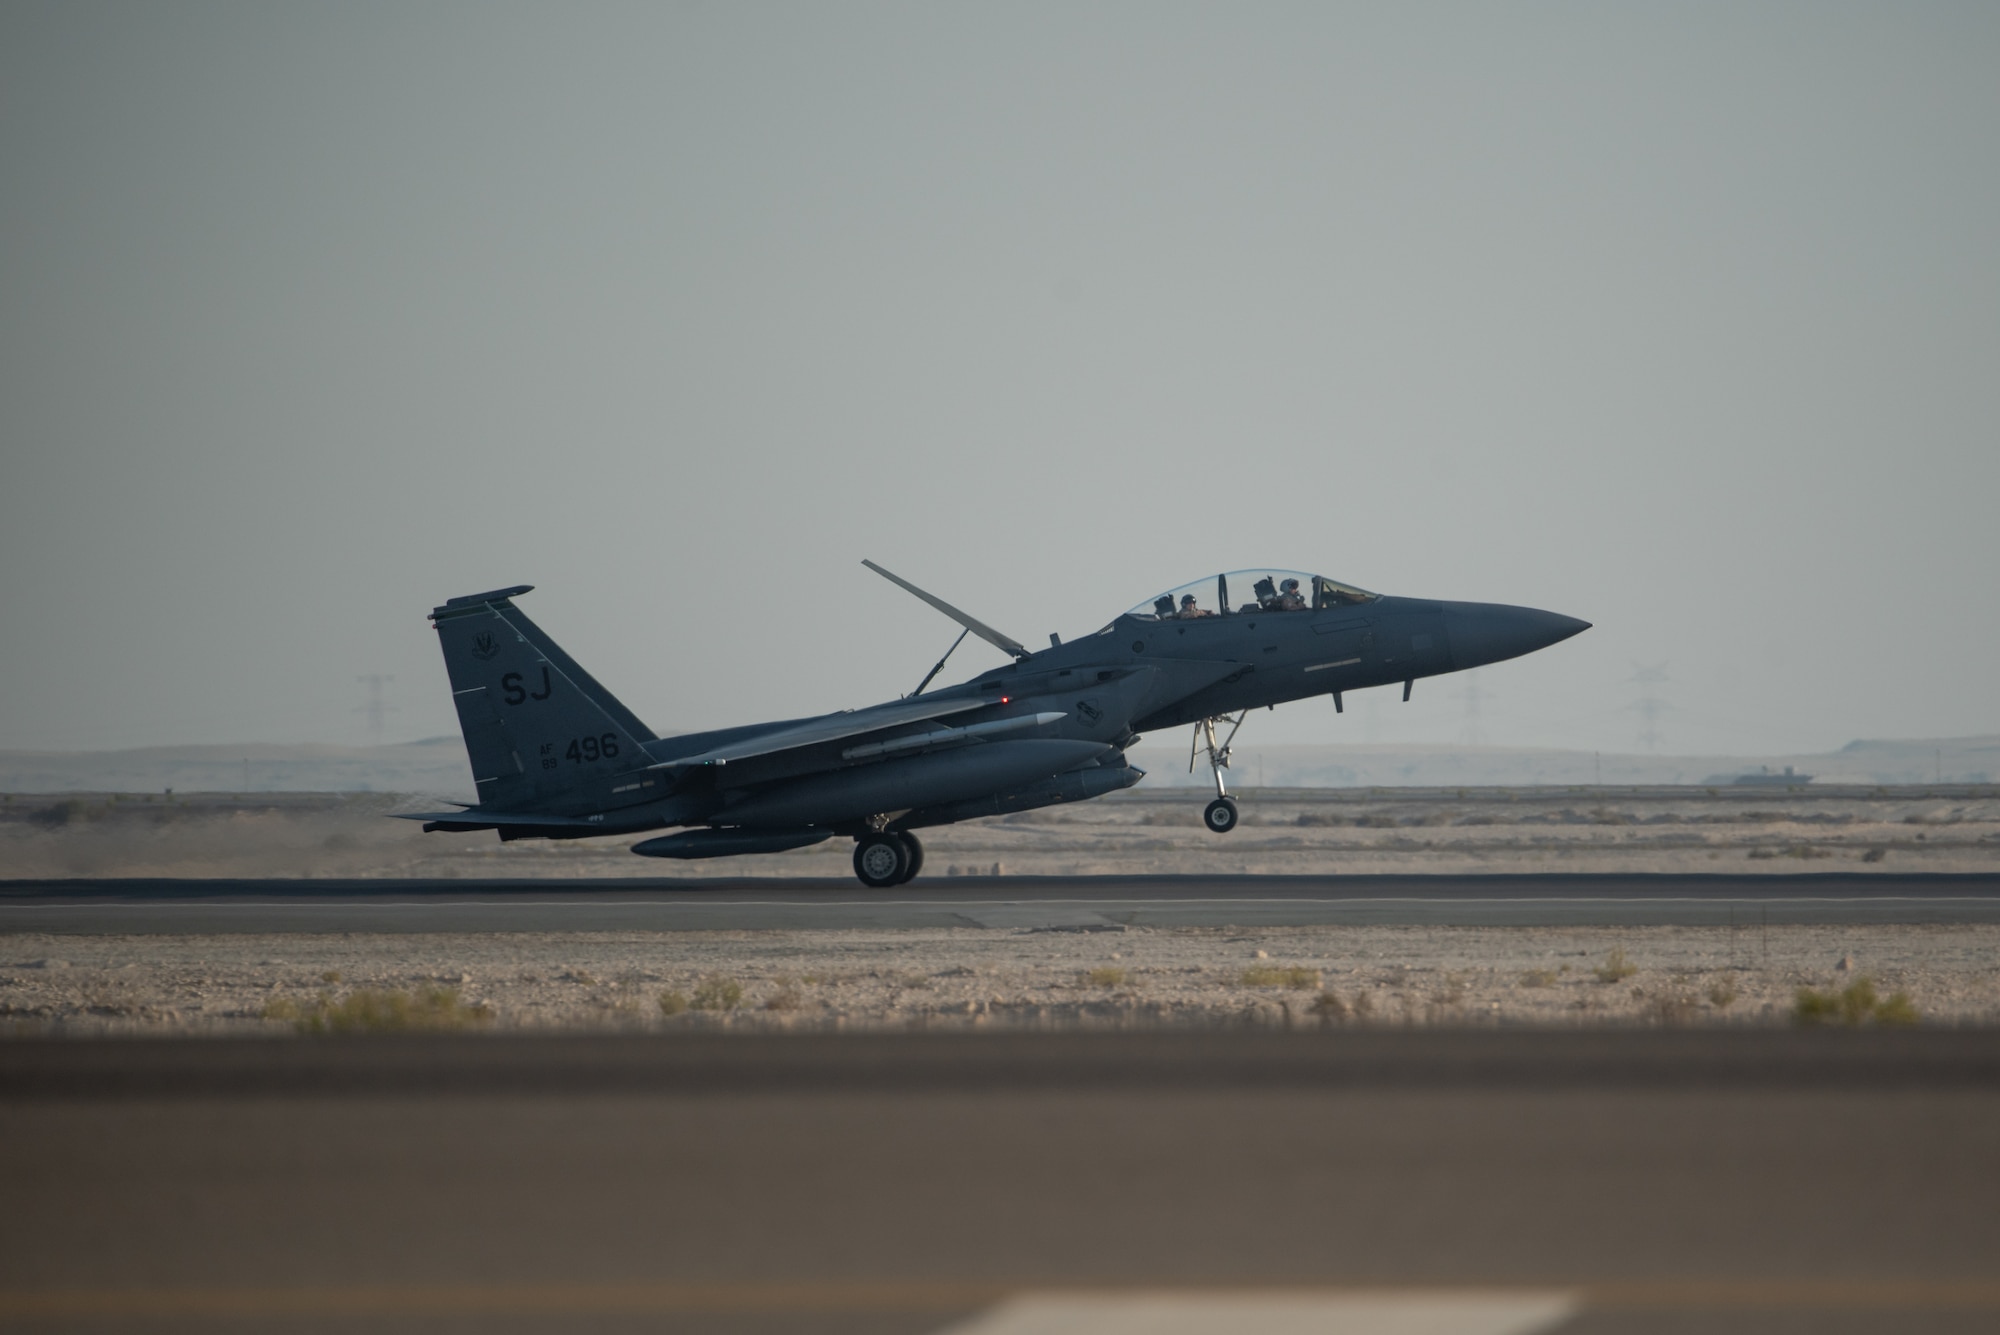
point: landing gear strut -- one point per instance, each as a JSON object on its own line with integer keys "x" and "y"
{"x": 887, "y": 857}
{"x": 1219, "y": 815}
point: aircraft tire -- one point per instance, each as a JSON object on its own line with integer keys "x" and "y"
{"x": 881, "y": 860}
{"x": 916, "y": 856}
{"x": 1219, "y": 816}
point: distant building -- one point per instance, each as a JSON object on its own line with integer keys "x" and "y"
{"x": 1764, "y": 778}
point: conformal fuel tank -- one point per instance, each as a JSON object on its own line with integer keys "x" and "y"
{"x": 728, "y": 843}
{"x": 920, "y": 781}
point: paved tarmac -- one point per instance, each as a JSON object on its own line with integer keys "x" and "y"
{"x": 1635, "y": 1182}
{"x": 748, "y": 904}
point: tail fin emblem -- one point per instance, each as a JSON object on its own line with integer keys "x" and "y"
{"x": 484, "y": 647}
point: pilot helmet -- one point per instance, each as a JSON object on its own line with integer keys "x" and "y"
{"x": 1290, "y": 586}
{"x": 1187, "y": 600}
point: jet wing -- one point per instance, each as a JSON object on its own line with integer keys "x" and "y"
{"x": 831, "y": 728}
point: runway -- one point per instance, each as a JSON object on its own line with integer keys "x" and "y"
{"x": 194, "y": 906}
{"x": 1637, "y": 1183}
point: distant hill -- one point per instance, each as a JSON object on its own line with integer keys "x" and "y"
{"x": 437, "y": 767}
{"x": 1948, "y": 760}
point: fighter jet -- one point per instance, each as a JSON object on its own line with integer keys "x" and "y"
{"x": 556, "y": 756}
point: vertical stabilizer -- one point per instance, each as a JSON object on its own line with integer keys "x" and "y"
{"x": 540, "y": 732}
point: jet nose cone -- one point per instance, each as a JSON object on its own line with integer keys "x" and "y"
{"x": 1483, "y": 633}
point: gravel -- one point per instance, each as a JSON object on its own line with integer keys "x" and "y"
{"x": 880, "y": 979}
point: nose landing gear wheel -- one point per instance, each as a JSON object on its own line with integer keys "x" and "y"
{"x": 1220, "y": 815}
{"x": 882, "y": 860}
{"x": 916, "y": 856}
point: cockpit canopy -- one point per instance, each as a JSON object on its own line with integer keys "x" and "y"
{"x": 1244, "y": 591}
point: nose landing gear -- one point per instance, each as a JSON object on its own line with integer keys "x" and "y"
{"x": 1220, "y": 815}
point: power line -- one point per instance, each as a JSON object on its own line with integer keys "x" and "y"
{"x": 375, "y": 707}
{"x": 1472, "y": 734}
{"x": 1649, "y": 705}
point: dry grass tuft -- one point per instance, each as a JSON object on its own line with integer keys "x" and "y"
{"x": 1804, "y": 852}
{"x": 718, "y": 992}
{"x": 1298, "y": 977}
{"x": 1615, "y": 967}
{"x": 1897, "y": 1010}
{"x": 1669, "y": 1009}
{"x": 368, "y": 1012}
{"x": 1108, "y": 976}
{"x": 1539, "y": 978}
{"x": 1721, "y": 993}
{"x": 673, "y": 1003}
{"x": 1853, "y": 1006}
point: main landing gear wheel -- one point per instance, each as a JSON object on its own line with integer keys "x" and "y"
{"x": 916, "y": 856}
{"x": 1219, "y": 815}
{"x": 882, "y": 860}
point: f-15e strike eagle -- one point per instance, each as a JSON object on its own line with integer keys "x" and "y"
{"x": 556, "y": 756}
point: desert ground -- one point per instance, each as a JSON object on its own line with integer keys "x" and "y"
{"x": 1299, "y": 976}
{"x": 1945, "y": 828}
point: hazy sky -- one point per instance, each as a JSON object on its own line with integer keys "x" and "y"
{"x": 1681, "y": 318}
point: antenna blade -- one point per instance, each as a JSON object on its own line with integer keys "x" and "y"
{"x": 973, "y": 624}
